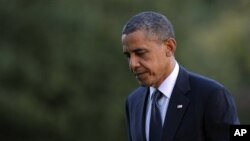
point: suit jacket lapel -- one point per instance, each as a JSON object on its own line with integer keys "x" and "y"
{"x": 140, "y": 115}
{"x": 178, "y": 104}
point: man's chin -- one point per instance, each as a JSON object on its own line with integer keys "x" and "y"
{"x": 144, "y": 84}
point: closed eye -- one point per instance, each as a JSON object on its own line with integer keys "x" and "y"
{"x": 137, "y": 52}
{"x": 140, "y": 52}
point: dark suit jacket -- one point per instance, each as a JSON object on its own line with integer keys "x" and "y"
{"x": 208, "y": 110}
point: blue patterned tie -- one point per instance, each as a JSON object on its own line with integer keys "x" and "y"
{"x": 155, "y": 120}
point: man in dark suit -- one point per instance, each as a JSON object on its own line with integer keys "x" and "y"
{"x": 172, "y": 104}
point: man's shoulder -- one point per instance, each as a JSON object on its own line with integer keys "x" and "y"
{"x": 137, "y": 96}
{"x": 205, "y": 88}
{"x": 204, "y": 81}
{"x": 197, "y": 80}
{"x": 138, "y": 93}
{"x": 206, "y": 85}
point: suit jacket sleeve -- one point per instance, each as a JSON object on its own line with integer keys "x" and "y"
{"x": 220, "y": 112}
{"x": 128, "y": 121}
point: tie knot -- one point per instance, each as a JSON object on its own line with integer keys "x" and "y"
{"x": 156, "y": 95}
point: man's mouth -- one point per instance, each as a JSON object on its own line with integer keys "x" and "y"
{"x": 139, "y": 74}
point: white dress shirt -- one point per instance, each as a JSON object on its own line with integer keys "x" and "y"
{"x": 166, "y": 89}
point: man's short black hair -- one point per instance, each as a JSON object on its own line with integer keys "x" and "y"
{"x": 152, "y": 22}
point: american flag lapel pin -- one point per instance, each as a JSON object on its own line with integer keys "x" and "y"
{"x": 179, "y": 106}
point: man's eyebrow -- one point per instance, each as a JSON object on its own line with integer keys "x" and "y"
{"x": 138, "y": 50}
{"x": 127, "y": 53}
{"x": 134, "y": 50}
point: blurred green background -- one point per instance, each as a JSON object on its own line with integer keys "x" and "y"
{"x": 63, "y": 76}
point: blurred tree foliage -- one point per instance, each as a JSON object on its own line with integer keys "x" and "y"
{"x": 63, "y": 76}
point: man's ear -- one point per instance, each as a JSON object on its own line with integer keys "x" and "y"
{"x": 170, "y": 46}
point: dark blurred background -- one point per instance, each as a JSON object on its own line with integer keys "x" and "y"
{"x": 63, "y": 76}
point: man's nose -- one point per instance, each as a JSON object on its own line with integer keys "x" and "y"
{"x": 133, "y": 63}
